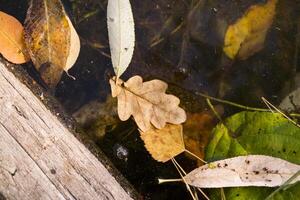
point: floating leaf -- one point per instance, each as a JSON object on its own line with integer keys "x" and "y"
{"x": 121, "y": 34}
{"x": 164, "y": 144}
{"x": 247, "y": 35}
{"x": 12, "y": 45}
{"x": 252, "y": 170}
{"x": 74, "y": 47}
{"x": 255, "y": 133}
{"x": 51, "y": 39}
{"x": 147, "y": 102}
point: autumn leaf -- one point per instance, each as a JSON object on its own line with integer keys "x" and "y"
{"x": 197, "y": 131}
{"x": 121, "y": 34}
{"x": 147, "y": 102}
{"x": 241, "y": 171}
{"x": 51, "y": 39}
{"x": 247, "y": 36}
{"x": 12, "y": 45}
{"x": 164, "y": 144}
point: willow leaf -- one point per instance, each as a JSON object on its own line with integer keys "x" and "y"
{"x": 121, "y": 34}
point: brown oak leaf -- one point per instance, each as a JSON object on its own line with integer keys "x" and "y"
{"x": 147, "y": 102}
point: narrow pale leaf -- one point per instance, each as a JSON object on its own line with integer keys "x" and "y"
{"x": 12, "y": 45}
{"x": 147, "y": 102}
{"x": 164, "y": 144}
{"x": 121, "y": 34}
{"x": 252, "y": 170}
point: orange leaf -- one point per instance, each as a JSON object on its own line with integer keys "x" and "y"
{"x": 12, "y": 45}
{"x": 164, "y": 144}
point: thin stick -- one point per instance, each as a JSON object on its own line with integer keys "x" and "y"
{"x": 239, "y": 105}
{"x": 185, "y": 181}
{"x": 192, "y": 154}
{"x": 177, "y": 166}
{"x": 213, "y": 109}
{"x": 232, "y": 103}
{"x": 279, "y": 111}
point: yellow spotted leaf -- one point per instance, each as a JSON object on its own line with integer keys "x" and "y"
{"x": 12, "y": 45}
{"x": 247, "y": 36}
{"x": 147, "y": 102}
{"x": 164, "y": 144}
{"x": 51, "y": 39}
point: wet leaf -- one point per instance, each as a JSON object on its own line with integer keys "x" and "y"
{"x": 51, "y": 39}
{"x": 121, "y": 34}
{"x": 147, "y": 102}
{"x": 96, "y": 116}
{"x": 197, "y": 129}
{"x": 291, "y": 102}
{"x": 247, "y": 36}
{"x": 241, "y": 171}
{"x": 164, "y": 144}
{"x": 255, "y": 133}
{"x": 12, "y": 45}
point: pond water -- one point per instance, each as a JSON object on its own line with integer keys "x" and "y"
{"x": 180, "y": 42}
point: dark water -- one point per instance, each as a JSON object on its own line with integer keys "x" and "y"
{"x": 181, "y": 44}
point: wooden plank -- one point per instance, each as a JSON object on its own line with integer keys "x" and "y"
{"x": 44, "y": 152}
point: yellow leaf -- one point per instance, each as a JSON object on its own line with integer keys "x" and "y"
{"x": 247, "y": 35}
{"x": 51, "y": 39}
{"x": 164, "y": 144}
{"x": 12, "y": 45}
{"x": 147, "y": 102}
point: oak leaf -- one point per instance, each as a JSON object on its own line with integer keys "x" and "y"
{"x": 247, "y": 36}
{"x": 12, "y": 45}
{"x": 147, "y": 102}
{"x": 51, "y": 39}
{"x": 164, "y": 144}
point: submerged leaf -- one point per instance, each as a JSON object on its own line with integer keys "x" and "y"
{"x": 241, "y": 171}
{"x": 164, "y": 144}
{"x": 147, "y": 102}
{"x": 12, "y": 45}
{"x": 247, "y": 35}
{"x": 51, "y": 39}
{"x": 121, "y": 34}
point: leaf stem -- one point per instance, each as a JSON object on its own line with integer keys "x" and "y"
{"x": 239, "y": 105}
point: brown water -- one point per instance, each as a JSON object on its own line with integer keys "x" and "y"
{"x": 179, "y": 42}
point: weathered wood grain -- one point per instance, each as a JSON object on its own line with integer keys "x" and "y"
{"x": 39, "y": 157}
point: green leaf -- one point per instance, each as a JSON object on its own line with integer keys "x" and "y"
{"x": 255, "y": 133}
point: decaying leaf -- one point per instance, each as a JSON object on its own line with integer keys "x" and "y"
{"x": 164, "y": 144}
{"x": 12, "y": 45}
{"x": 197, "y": 131}
{"x": 121, "y": 34}
{"x": 252, "y": 170}
{"x": 147, "y": 102}
{"x": 247, "y": 35}
{"x": 96, "y": 116}
{"x": 51, "y": 39}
